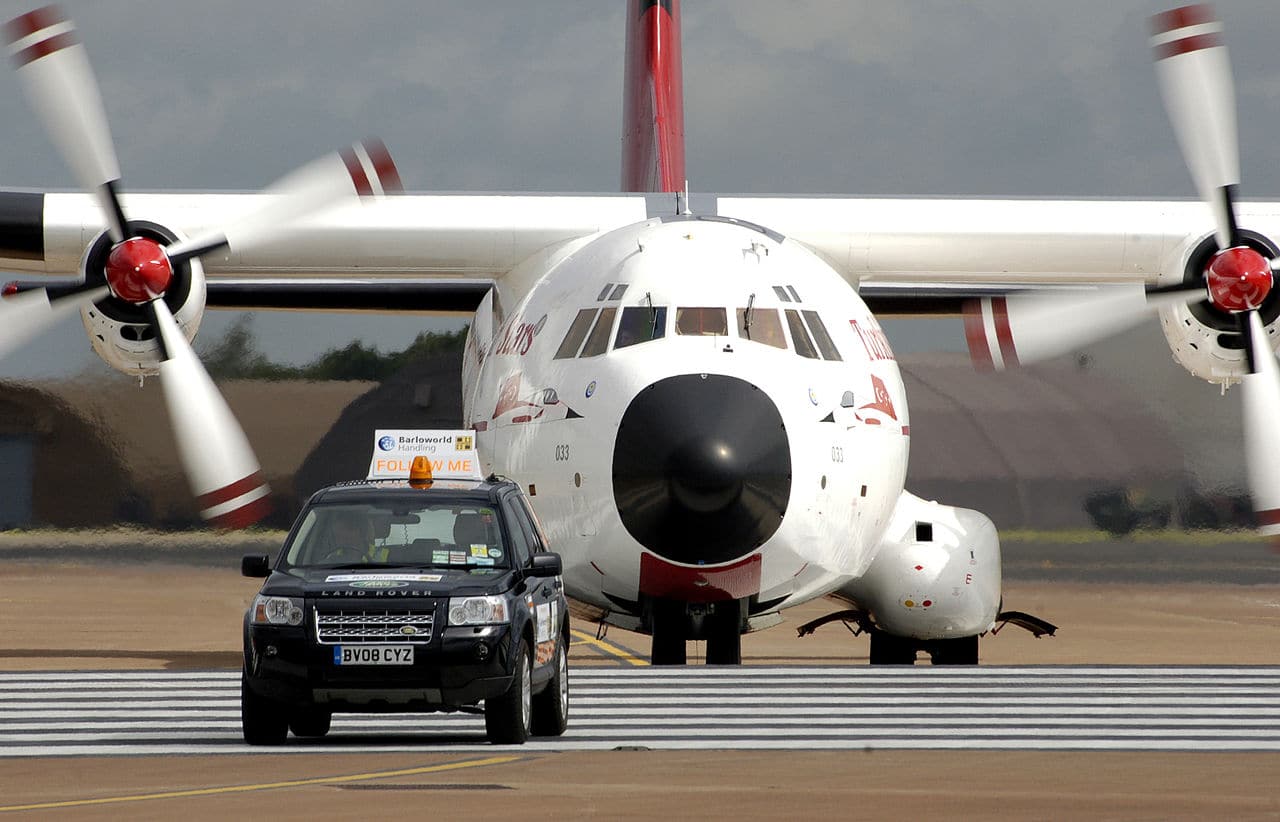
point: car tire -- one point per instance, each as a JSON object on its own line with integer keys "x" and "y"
{"x": 263, "y": 722}
{"x": 507, "y": 718}
{"x": 551, "y": 707}
{"x": 312, "y": 723}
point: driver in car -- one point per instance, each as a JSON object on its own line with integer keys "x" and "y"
{"x": 352, "y": 540}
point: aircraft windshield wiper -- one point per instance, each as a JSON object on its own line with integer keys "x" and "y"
{"x": 746, "y": 319}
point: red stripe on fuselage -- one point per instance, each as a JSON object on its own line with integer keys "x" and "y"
{"x": 44, "y": 48}
{"x": 653, "y": 99}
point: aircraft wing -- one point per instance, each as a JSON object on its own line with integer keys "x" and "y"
{"x": 438, "y": 252}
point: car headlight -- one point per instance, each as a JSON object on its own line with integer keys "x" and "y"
{"x": 477, "y": 610}
{"x": 276, "y": 610}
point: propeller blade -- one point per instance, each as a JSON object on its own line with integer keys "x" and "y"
{"x": 1199, "y": 96}
{"x": 1005, "y": 332}
{"x": 1261, "y": 391}
{"x": 365, "y": 170}
{"x": 55, "y": 73}
{"x": 26, "y": 314}
{"x": 221, "y": 468}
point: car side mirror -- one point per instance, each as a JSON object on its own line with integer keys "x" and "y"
{"x": 546, "y": 564}
{"x": 255, "y": 565}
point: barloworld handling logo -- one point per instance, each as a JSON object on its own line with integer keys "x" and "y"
{"x": 387, "y": 443}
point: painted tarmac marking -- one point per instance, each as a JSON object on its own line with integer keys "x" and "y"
{"x": 609, "y": 648}
{"x": 264, "y": 786}
{"x": 44, "y": 714}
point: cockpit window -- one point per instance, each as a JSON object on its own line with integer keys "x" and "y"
{"x": 598, "y": 340}
{"x": 455, "y": 535}
{"x": 804, "y": 345}
{"x": 641, "y": 324}
{"x": 618, "y": 291}
{"x": 782, "y": 293}
{"x": 704, "y": 322}
{"x": 795, "y": 293}
{"x": 820, "y": 335}
{"x": 577, "y": 333}
{"x": 765, "y": 327}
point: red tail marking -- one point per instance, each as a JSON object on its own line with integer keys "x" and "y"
{"x": 653, "y": 98}
{"x": 383, "y": 166}
{"x": 1194, "y": 15}
{"x": 28, "y": 24}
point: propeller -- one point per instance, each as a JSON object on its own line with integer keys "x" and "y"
{"x": 220, "y": 465}
{"x": 1196, "y": 84}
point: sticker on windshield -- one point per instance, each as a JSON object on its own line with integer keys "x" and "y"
{"x": 439, "y": 557}
{"x": 382, "y": 578}
{"x": 479, "y": 550}
{"x": 481, "y": 561}
{"x": 496, "y": 553}
{"x": 457, "y": 558}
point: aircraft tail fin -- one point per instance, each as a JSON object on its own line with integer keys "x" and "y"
{"x": 653, "y": 99}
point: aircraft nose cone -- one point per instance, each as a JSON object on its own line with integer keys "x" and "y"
{"x": 701, "y": 468}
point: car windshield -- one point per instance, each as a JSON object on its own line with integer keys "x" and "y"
{"x": 446, "y": 535}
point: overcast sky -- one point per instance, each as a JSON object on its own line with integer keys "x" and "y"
{"x": 806, "y": 96}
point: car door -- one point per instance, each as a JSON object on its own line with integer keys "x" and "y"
{"x": 544, "y": 595}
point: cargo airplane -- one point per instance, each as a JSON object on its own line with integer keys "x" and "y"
{"x": 700, "y": 401}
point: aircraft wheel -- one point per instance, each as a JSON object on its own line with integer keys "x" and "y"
{"x": 724, "y": 637}
{"x": 668, "y": 633}
{"x": 962, "y": 651}
{"x": 887, "y": 649}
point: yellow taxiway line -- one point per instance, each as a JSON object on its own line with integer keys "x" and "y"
{"x": 265, "y": 786}
{"x": 615, "y": 651}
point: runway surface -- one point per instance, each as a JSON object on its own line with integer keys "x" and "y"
{"x": 1160, "y": 708}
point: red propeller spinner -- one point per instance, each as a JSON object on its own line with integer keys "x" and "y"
{"x": 1238, "y": 279}
{"x": 138, "y": 270}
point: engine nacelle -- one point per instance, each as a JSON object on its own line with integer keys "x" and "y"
{"x": 1206, "y": 340}
{"x": 119, "y": 331}
{"x": 936, "y": 574}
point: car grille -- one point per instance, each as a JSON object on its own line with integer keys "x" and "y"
{"x": 347, "y": 627}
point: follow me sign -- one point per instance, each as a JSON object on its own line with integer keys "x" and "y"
{"x": 452, "y": 453}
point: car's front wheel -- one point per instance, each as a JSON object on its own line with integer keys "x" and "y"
{"x": 551, "y": 707}
{"x": 507, "y": 718}
{"x": 262, "y": 721}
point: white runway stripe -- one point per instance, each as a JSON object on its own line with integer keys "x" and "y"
{"x": 1050, "y": 708}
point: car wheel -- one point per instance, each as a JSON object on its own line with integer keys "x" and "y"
{"x": 507, "y": 718}
{"x": 263, "y": 722}
{"x": 310, "y": 723}
{"x": 551, "y": 707}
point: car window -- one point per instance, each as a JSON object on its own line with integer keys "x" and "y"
{"x": 539, "y": 536}
{"x": 420, "y": 534}
{"x": 520, "y": 538}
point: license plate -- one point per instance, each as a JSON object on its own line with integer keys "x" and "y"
{"x": 373, "y": 655}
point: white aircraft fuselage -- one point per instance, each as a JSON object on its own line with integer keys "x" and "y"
{"x": 671, "y": 450}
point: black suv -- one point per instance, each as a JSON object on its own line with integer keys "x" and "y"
{"x": 389, "y": 598}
